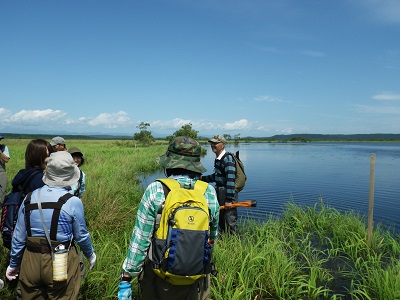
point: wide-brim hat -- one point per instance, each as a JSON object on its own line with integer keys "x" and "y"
{"x": 75, "y": 150}
{"x": 183, "y": 153}
{"x": 60, "y": 170}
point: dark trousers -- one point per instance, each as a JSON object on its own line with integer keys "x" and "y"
{"x": 227, "y": 217}
{"x": 155, "y": 288}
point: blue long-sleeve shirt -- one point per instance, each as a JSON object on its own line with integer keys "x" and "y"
{"x": 224, "y": 174}
{"x": 71, "y": 223}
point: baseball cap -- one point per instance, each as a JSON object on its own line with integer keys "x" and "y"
{"x": 57, "y": 140}
{"x": 217, "y": 139}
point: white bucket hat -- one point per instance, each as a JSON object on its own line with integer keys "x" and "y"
{"x": 60, "y": 170}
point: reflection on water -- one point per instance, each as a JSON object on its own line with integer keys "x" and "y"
{"x": 337, "y": 173}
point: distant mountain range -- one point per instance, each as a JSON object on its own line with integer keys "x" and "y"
{"x": 338, "y": 137}
{"x": 306, "y": 137}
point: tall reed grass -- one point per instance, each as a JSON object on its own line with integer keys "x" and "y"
{"x": 308, "y": 253}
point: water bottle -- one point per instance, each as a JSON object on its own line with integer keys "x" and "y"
{"x": 60, "y": 263}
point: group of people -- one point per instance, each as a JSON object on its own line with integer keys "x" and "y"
{"x": 57, "y": 174}
{"x": 50, "y": 219}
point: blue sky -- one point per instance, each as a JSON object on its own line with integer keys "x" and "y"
{"x": 249, "y": 67}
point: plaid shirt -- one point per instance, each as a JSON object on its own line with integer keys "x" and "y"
{"x": 145, "y": 219}
{"x": 224, "y": 174}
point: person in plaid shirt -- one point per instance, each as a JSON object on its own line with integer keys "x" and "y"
{"x": 224, "y": 177}
{"x": 182, "y": 163}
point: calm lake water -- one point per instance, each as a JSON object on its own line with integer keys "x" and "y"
{"x": 339, "y": 173}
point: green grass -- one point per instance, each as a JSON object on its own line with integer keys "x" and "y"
{"x": 308, "y": 253}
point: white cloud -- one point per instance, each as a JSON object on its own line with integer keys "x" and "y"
{"x": 238, "y": 125}
{"x": 387, "y": 97}
{"x": 79, "y": 121}
{"x": 35, "y": 116}
{"x": 177, "y": 123}
{"x": 107, "y": 120}
{"x": 4, "y": 113}
{"x": 174, "y": 123}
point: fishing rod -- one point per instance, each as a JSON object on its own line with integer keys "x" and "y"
{"x": 248, "y": 203}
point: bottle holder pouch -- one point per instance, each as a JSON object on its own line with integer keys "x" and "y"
{"x": 60, "y": 263}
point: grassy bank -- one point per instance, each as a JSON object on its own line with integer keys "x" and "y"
{"x": 309, "y": 253}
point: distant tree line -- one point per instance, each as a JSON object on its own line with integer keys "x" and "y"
{"x": 145, "y": 137}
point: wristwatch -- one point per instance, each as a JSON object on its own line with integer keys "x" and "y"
{"x": 125, "y": 278}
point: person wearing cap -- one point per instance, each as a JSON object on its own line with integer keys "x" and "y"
{"x": 224, "y": 177}
{"x": 80, "y": 186}
{"x": 31, "y": 252}
{"x": 182, "y": 163}
{"x": 58, "y": 144}
{"x": 4, "y": 158}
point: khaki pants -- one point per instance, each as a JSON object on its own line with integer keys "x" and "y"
{"x": 3, "y": 186}
{"x": 154, "y": 288}
{"x": 36, "y": 275}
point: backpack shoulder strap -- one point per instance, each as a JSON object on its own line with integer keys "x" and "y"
{"x": 27, "y": 217}
{"x": 169, "y": 183}
{"x": 79, "y": 183}
{"x": 201, "y": 186}
{"x": 56, "y": 206}
{"x": 56, "y": 215}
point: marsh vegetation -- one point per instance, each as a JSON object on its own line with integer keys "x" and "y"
{"x": 307, "y": 253}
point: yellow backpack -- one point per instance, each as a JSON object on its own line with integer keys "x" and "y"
{"x": 180, "y": 251}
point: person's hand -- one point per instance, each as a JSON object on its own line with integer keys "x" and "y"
{"x": 92, "y": 261}
{"x": 125, "y": 291}
{"x": 228, "y": 205}
{"x": 11, "y": 273}
{"x": 1, "y": 284}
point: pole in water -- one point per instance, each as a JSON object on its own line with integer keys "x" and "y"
{"x": 371, "y": 198}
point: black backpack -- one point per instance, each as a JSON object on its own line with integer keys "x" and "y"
{"x": 9, "y": 211}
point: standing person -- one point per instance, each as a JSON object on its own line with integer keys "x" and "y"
{"x": 58, "y": 144}
{"x": 34, "y": 252}
{"x": 4, "y": 158}
{"x": 29, "y": 178}
{"x": 80, "y": 186}
{"x": 224, "y": 177}
{"x": 182, "y": 163}
{"x": 36, "y": 153}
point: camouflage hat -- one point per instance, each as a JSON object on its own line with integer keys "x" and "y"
{"x": 183, "y": 153}
{"x": 217, "y": 139}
